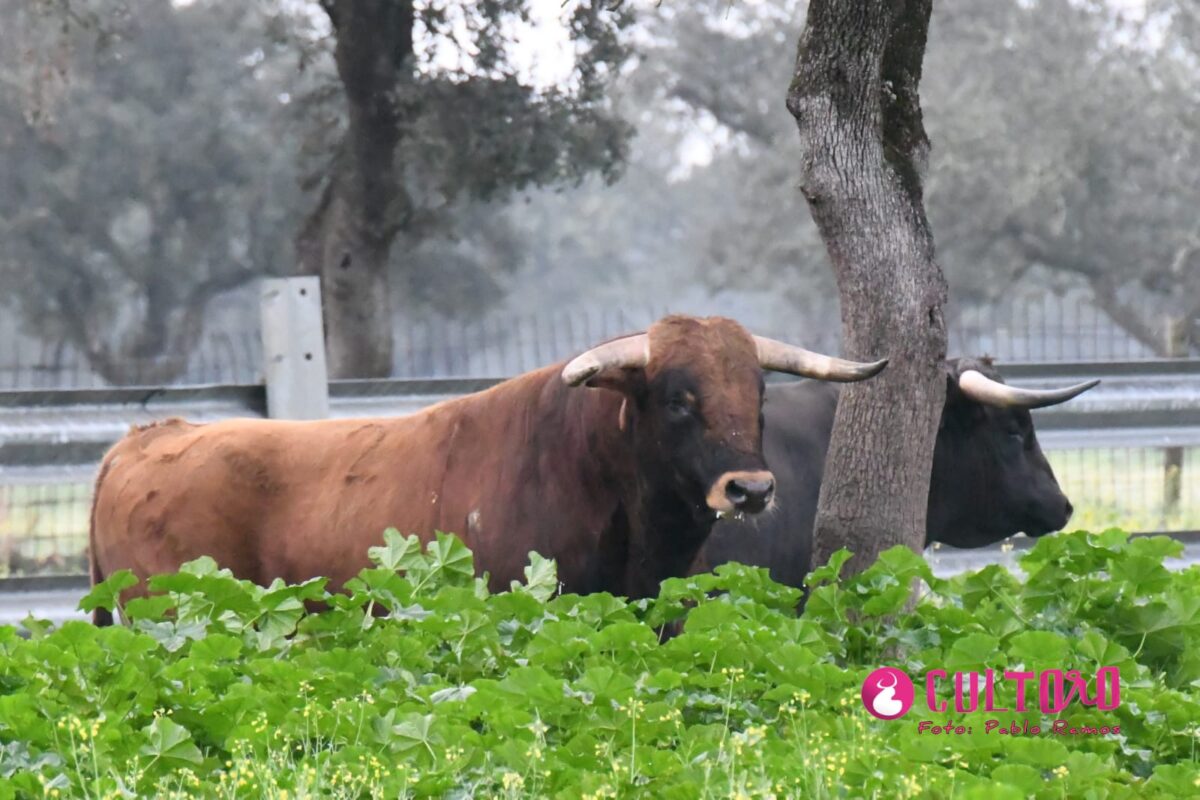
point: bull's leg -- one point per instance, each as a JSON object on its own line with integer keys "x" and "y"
{"x": 101, "y": 617}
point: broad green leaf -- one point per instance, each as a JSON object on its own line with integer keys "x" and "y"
{"x": 541, "y": 577}
{"x": 1145, "y": 574}
{"x": 1041, "y": 648}
{"x": 202, "y": 567}
{"x": 217, "y": 647}
{"x": 453, "y": 694}
{"x": 398, "y": 551}
{"x": 170, "y": 742}
{"x": 449, "y": 557}
{"x": 172, "y": 635}
{"x": 831, "y": 571}
{"x": 973, "y": 652}
{"x": 107, "y": 593}
{"x": 154, "y": 607}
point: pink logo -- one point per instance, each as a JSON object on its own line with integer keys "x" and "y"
{"x": 887, "y": 693}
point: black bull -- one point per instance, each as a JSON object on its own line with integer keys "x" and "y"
{"x": 989, "y": 481}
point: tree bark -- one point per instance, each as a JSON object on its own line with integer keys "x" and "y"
{"x": 855, "y": 99}
{"x": 347, "y": 239}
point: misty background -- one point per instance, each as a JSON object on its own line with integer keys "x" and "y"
{"x": 157, "y": 158}
{"x": 559, "y": 172}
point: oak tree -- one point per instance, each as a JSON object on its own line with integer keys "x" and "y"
{"x": 855, "y": 99}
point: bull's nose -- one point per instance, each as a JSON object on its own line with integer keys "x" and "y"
{"x": 1068, "y": 510}
{"x": 750, "y": 495}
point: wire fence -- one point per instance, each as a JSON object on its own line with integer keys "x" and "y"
{"x": 44, "y": 528}
{"x": 1125, "y": 488}
{"x": 1049, "y": 327}
{"x": 217, "y": 358}
{"x": 1032, "y": 327}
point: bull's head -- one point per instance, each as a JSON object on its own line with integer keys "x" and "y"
{"x": 990, "y": 478}
{"x": 693, "y": 391}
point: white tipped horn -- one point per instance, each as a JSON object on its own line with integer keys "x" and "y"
{"x": 982, "y": 389}
{"x": 781, "y": 357}
{"x": 628, "y": 351}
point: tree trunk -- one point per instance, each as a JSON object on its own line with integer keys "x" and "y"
{"x": 347, "y": 239}
{"x": 855, "y": 99}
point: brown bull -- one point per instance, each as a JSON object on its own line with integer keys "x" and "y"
{"x": 620, "y": 484}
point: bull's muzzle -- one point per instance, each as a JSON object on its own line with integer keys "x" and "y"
{"x": 747, "y": 492}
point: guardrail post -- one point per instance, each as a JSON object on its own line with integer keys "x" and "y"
{"x": 1177, "y": 346}
{"x": 294, "y": 348}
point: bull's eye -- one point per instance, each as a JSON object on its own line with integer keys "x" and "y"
{"x": 680, "y": 405}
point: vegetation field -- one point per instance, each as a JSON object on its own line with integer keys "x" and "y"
{"x": 421, "y": 683}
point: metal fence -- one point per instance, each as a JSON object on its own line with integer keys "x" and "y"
{"x": 1031, "y": 327}
{"x": 217, "y": 358}
{"x": 1051, "y": 328}
{"x": 44, "y": 528}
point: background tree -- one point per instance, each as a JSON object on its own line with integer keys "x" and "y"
{"x": 154, "y": 153}
{"x": 1091, "y": 178}
{"x": 413, "y": 137}
{"x": 705, "y": 218}
{"x": 856, "y": 103}
{"x": 148, "y": 167}
{"x": 1005, "y": 164}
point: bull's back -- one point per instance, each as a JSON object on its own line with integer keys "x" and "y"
{"x": 263, "y": 498}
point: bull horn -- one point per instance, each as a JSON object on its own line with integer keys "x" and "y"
{"x": 628, "y": 351}
{"x": 780, "y": 357}
{"x": 981, "y": 388}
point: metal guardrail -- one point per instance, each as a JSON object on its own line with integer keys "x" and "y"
{"x": 57, "y": 432}
{"x": 1138, "y": 404}
{"x": 64, "y": 433}
{"x": 1154, "y": 403}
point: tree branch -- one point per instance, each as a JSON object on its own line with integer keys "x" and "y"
{"x": 737, "y": 122}
{"x": 1124, "y": 315}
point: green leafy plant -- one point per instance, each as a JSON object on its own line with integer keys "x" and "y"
{"x": 417, "y": 681}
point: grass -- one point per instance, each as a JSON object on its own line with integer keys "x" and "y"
{"x": 1123, "y": 488}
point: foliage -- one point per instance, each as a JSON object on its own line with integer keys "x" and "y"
{"x": 148, "y": 166}
{"x": 157, "y": 155}
{"x": 418, "y": 681}
{"x": 477, "y": 124}
{"x": 1064, "y": 153}
{"x": 1089, "y": 176}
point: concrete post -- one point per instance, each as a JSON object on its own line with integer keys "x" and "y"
{"x": 1176, "y": 347}
{"x": 293, "y": 341}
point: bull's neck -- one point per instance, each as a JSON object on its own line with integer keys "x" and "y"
{"x": 653, "y": 534}
{"x": 664, "y": 540}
